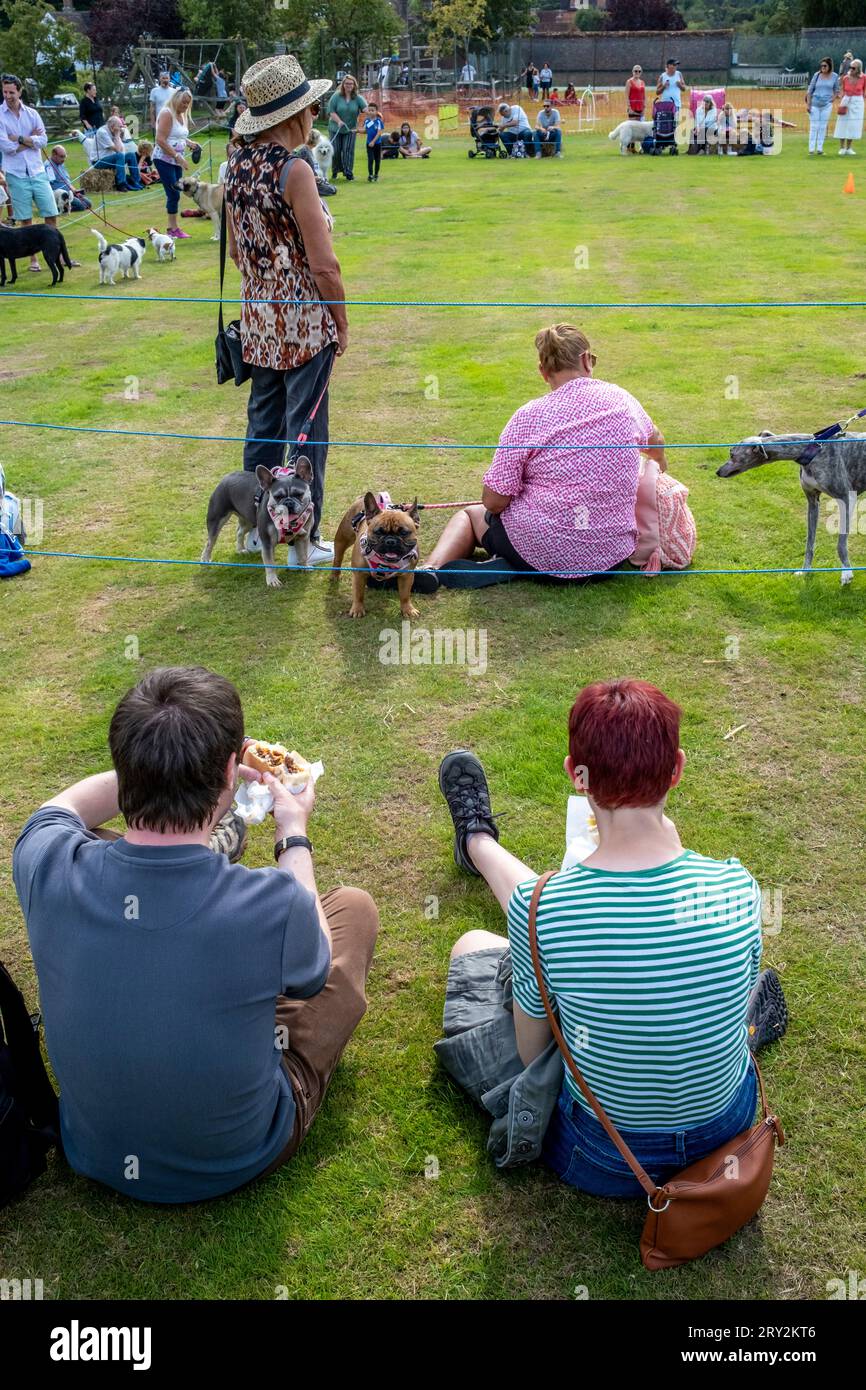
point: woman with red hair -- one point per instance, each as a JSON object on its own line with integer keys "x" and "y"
{"x": 650, "y": 954}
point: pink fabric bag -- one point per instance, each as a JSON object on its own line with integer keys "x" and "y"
{"x": 666, "y": 530}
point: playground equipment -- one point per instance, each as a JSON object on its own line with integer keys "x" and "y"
{"x": 184, "y": 59}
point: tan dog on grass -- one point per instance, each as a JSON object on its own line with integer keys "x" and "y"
{"x": 384, "y": 541}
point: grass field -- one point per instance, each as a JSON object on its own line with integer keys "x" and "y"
{"x": 781, "y": 658}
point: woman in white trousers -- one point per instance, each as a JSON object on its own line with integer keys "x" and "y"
{"x": 822, "y": 91}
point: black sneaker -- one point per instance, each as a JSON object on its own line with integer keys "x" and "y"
{"x": 230, "y": 836}
{"x": 478, "y": 574}
{"x": 326, "y": 190}
{"x": 464, "y": 786}
{"x": 767, "y": 1012}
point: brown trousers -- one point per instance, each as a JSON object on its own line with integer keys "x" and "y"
{"x": 318, "y": 1029}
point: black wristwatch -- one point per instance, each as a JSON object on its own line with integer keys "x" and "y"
{"x": 290, "y": 842}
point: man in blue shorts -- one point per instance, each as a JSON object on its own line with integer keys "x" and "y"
{"x": 22, "y": 140}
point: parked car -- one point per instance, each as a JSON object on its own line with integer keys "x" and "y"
{"x": 63, "y": 99}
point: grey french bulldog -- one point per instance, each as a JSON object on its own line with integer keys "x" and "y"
{"x": 277, "y": 502}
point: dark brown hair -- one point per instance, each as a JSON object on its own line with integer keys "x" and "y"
{"x": 170, "y": 739}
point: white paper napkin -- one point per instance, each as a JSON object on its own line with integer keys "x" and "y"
{"x": 253, "y": 800}
{"x": 581, "y": 839}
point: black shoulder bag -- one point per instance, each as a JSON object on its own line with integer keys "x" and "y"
{"x": 230, "y": 364}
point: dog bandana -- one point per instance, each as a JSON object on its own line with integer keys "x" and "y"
{"x": 288, "y": 525}
{"x": 387, "y": 564}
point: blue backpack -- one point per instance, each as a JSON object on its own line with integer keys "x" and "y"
{"x": 12, "y": 558}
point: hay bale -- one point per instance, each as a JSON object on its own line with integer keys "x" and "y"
{"x": 97, "y": 180}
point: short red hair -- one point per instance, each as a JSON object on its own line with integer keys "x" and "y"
{"x": 626, "y": 735}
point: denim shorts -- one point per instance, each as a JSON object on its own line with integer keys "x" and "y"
{"x": 577, "y": 1148}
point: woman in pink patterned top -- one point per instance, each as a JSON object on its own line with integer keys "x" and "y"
{"x": 279, "y": 236}
{"x": 547, "y": 506}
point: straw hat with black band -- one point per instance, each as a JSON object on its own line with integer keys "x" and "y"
{"x": 276, "y": 89}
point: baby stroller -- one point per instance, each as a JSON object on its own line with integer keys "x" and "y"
{"x": 664, "y": 137}
{"x": 485, "y": 133}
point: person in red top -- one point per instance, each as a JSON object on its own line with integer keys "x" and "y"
{"x": 849, "y": 120}
{"x": 635, "y": 94}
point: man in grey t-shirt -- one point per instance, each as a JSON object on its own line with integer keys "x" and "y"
{"x": 159, "y": 95}
{"x": 194, "y": 1009}
{"x": 110, "y": 154}
{"x": 548, "y": 130}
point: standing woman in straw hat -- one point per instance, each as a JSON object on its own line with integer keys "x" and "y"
{"x": 279, "y": 236}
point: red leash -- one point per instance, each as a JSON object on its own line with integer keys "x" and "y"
{"x": 304, "y": 434}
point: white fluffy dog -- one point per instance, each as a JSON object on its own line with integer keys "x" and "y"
{"x": 323, "y": 153}
{"x": 630, "y": 132}
{"x": 164, "y": 246}
{"x": 126, "y": 258}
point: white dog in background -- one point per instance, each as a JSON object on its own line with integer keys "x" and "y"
{"x": 323, "y": 153}
{"x": 125, "y": 257}
{"x": 164, "y": 246}
{"x": 630, "y": 132}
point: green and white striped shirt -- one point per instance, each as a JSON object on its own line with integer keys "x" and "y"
{"x": 650, "y": 973}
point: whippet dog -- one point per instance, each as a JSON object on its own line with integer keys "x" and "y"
{"x": 835, "y": 467}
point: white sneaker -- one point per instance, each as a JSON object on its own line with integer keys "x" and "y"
{"x": 252, "y": 542}
{"x": 841, "y": 152}
{"x": 321, "y": 553}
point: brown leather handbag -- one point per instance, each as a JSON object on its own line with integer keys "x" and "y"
{"x": 707, "y": 1202}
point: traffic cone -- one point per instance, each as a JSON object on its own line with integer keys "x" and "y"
{"x": 849, "y": 184}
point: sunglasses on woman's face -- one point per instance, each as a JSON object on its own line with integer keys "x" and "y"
{"x": 314, "y": 108}
{"x": 592, "y": 358}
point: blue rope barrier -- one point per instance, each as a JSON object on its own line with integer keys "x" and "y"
{"x": 466, "y": 303}
{"x": 373, "y": 443}
{"x": 348, "y": 569}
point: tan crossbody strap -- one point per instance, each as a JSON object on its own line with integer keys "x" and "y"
{"x": 645, "y": 1181}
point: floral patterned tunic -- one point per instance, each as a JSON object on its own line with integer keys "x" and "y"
{"x": 273, "y": 264}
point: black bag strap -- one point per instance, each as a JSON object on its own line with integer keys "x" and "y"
{"x": 34, "y": 1091}
{"x": 223, "y": 217}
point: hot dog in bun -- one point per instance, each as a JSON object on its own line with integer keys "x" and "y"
{"x": 289, "y": 768}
